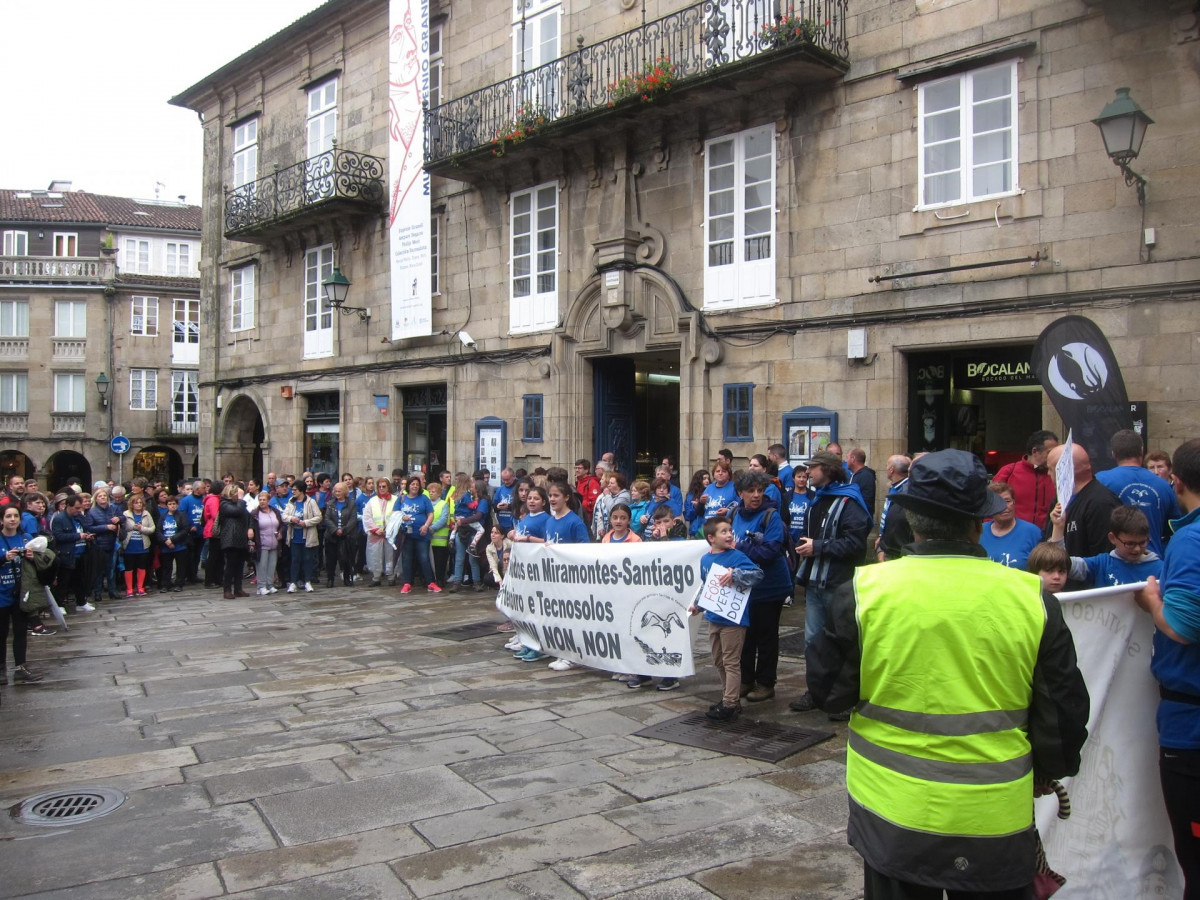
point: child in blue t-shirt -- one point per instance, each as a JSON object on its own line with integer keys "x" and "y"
{"x": 725, "y": 636}
{"x": 172, "y": 532}
{"x": 1007, "y": 539}
{"x": 1127, "y": 563}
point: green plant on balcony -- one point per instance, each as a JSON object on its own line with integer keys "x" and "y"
{"x": 521, "y": 127}
{"x": 655, "y": 79}
{"x": 788, "y": 29}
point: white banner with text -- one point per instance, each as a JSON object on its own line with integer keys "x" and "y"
{"x": 1117, "y": 843}
{"x": 616, "y": 607}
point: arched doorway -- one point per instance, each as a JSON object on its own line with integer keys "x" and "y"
{"x": 242, "y": 435}
{"x": 66, "y": 466}
{"x": 159, "y": 464}
{"x": 14, "y": 462}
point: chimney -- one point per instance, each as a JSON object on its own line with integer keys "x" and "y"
{"x": 58, "y": 186}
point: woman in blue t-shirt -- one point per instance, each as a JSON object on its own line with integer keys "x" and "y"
{"x": 531, "y": 527}
{"x": 564, "y": 526}
{"x": 12, "y": 555}
{"x": 416, "y": 511}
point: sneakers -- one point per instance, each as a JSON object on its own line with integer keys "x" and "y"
{"x": 506, "y": 626}
{"x": 308, "y": 588}
{"x": 434, "y": 589}
{"x": 564, "y": 665}
{"x": 22, "y": 675}
{"x": 291, "y": 588}
{"x": 533, "y": 656}
{"x": 619, "y": 676}
{"x": 407, "y": 589}
{"x": 638, "y": 681}
{"x": 129, "y": 595}
{"x": 721, "y": 713}
{"x": 760, "y": 693}
{"x": 514, "y": 644}
{"x": 271, "y": 590}
{"x": 42, "y": 631}
{"x": 668, "y": 684}
{"x": 262, "y": 592}
{"x": 803, "y": 703}
{"x": 139, "y": 593}
{"x": 520, "y": 652}
{"x": 87, "y": 607}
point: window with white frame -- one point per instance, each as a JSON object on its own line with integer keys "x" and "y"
{"x": 135, "y": 256}
{"x": 14, "y": 318}
{"x": 241, "y": 298}
{"x": 70, "y": 319}
{"x": 322, "y": 117}
{"x": 435, "y": 66}
{"x": 318, "y": 316}
{"x": 245, "y": 153}
{"x": 66, "y": 244}
{"x": 535, "y": 38}
{"x": 179, "y": 258}
{"x": 435, "y": 253}
{"x": 16, "y": 243}
{"x": 185, "y": 401}
{"x": 185, "y": 331}
{"x": 69, "y": 392}
{"x": 14, "y": 392}
{"x": 967, "y": 135}
{"x": 533, "y": 260}
{"x": 143, "y": 316}
{"x": 143, "y": 388}
{"x": 739, "y": 220}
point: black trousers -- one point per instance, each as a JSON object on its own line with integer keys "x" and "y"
{"x": 882, "y": 887}
{"x": 12, "y": 617}
{"x": 760, "y": 652}
{"x": 1179, "y": 772}
{"x": 234, "y": 559}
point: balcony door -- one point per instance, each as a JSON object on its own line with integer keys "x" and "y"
{"x": 321, "y": 131}
{"x": 536, "y": 31}
{"x": 185, "y": 403}
{"x": 318, "y": 316}
{"x": 185, "y": 332}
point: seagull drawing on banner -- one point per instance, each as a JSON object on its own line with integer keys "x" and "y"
{"x": 655, "y": 620}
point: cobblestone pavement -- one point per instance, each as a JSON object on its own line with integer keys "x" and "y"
{"x": 319, "y": 745}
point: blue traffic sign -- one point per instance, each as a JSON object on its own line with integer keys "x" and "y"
{"x": 119, "y": 444}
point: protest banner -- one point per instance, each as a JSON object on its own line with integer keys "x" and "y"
{"x": 616, "y": 607}
{"x": 1117, "y": 843}
{"x": 724, "y": 600}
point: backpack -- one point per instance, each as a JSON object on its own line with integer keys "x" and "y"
{"x": 789, "y": 546}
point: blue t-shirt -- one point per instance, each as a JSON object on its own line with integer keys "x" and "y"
{"x": 420, "y": 508}
{"x": 169, "y": 527}
{"x": 1176, "y": 665}
{"x": 766, "y": 551}
{"x": 1107, "y": 569}
{"x": 1152, "y": 495}
{"x": 1014, "y": 548}
{"x": 655, "y": 503}
{"x": 137, "y": 540}
{"x": 797, "y": 509}
{"x": 10, "y": 570}
{"x": 192, "y": 508}
{"x": 786, "y": 473}
{"x": 567, "y": 529}
{"x": 500, "y": 495}
{"x": 772, "y": 493}
{"x": 730, "y": 559}
{"x": 533, "y": 524}
{"x": 719, "y": 498}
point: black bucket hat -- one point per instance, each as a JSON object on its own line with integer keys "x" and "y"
{"x": 952, "y": 481}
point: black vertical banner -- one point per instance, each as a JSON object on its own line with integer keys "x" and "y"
{"x": 1077, "y": 369}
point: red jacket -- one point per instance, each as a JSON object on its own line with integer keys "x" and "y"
{"x": 1033, "y": 491}
{"x": 588, "y": 488}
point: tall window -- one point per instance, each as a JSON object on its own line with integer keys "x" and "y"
{"x": 16, "y": 243}
{"x": 245, "y": 153}
{"x": 14, "y": 392}
{"x": 179, "y": 258}
{"x": 66, "y": 244}
{"x": 14, "y": 318}
{"x": 739, "y": 412}
{"x": 435, "y": 252}
{"x": 967, "y": 135}
{"x": 536, "y": 25}
{"x": 69, "y": 392}
{"x": 70, "y": 318}
{"x": 185, "y": 402}
{"x": 318, "y": 317}
{"x": 135, "y": 257}
{"x": 322, "y": 117}
{"x": 531, "y": 417}
{"x": 533, "y": 261}
{"x": 143, "y": 389}
{"x": 739, "y": 191}
{"x": 435, "y": 66}
{"x": 241, "y": 298}
{"x": 185, "y": 330}
{"x": 143, "y": 316}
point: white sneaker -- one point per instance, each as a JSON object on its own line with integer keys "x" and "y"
{"x": 292, "y": 588}
{"x": 563, "y": 665}
{"x": 87, "y": 607}
{"x": 619, "y": 676}
{"x": 272, "y": 590}
{"x": 308, "y": 586}
{"x": 514, "y": 644}
{"x": 262, "y": 592}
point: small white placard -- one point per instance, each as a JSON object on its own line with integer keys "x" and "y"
{"x": 724, "y": 600}
{"x": 1064, "y": 473}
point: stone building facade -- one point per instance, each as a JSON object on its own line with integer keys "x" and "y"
{"x": 842, "y": 220}
{"x": 93, "y": 285}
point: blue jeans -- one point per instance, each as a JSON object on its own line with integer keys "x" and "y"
{"x": 414, "y": 547}
{"x": 816, "y": 611}
{"x": 460, "y": 556}
{"x": 303, "y": 558}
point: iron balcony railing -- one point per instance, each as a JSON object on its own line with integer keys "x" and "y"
{"x": 688, "y": 44}
{"x": 336, "y": 174}
{"x": 177, "y": 420}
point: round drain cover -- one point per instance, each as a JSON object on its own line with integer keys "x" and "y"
{"x": 67, "y": 807}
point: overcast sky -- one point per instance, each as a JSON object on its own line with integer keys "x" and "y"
{"x": 87, "y": 88}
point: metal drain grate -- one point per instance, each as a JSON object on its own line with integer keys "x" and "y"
{"x": 742, "y": 737}
{"x": 56, "y": 808}
{"x": 464, "y": 632}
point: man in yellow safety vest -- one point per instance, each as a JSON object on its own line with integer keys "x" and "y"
{"x": 966, "y": 695}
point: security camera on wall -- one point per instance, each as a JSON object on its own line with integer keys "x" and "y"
{"x": 467, "y": 340}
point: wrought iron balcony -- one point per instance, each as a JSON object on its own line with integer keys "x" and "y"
{"x": 334, "y": 183}
{"x": 170, "y": 422}
{"x": 747, "y": 43}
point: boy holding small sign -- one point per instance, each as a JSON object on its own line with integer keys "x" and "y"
{"x": 726, "y": 576}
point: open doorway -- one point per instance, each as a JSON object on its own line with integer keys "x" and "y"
{"x": 637, "y": 410}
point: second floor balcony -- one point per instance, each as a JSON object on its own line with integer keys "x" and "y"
{"x": 742, "y": 46}
{"x": 56, "y": 269}
{"x": 336, "y": 183}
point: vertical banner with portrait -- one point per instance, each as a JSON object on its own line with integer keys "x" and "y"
{"x": 491, "y": 438}
{"x": 408, "y": 191}
{"x": 808, "y": 430}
